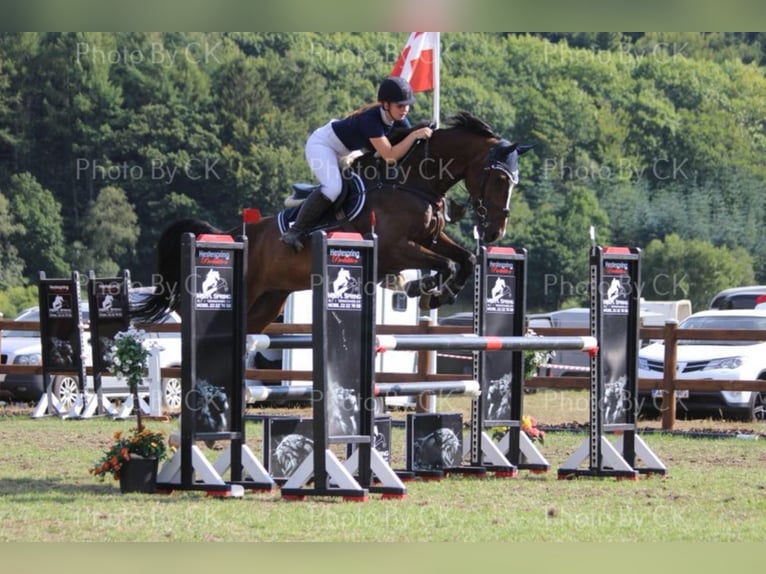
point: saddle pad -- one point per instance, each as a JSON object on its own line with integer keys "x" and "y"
{"x": 347, "y": 210}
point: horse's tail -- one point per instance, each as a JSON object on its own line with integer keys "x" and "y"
{"x": 166, "y": 296}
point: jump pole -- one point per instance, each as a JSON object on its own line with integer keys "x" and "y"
{"x": 614, "y": 285}
{"x": 275, "y": 393}
{"x": 454, "y": 342}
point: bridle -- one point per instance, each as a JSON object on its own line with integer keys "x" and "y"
{"x": 501, "y": 158}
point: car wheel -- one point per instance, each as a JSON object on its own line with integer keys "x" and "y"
{"x": 66, "y": 389}
{"x": 171, "y": 394}
{"x": 759, "y": 408}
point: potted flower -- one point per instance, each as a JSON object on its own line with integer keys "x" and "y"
{"x": 139, "y": 452}
{"x": 132, "y": 459}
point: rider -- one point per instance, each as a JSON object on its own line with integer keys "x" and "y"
{"x": 365, "y": 128}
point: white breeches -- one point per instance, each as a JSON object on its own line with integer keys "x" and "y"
{"x": 323, "y": 152}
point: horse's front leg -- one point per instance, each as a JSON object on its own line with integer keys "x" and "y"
{"x": 464, "y": 262}
{"x": 411, "y": 255}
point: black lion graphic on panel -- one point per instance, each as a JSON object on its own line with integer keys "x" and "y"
{"x": 437, "y": 450}
{"x": 212, "y": 408}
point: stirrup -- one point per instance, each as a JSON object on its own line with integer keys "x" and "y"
{"x": 293, "y": 238}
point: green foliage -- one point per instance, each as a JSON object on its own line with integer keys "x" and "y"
{"x": 14, "y": 300}
{"x": 11, "y": 265}
{"x": 111, "y": 232}
{"x": 693, "y": 269}
{"x": 640, "y": 134}
{"x": 39, "y": 238}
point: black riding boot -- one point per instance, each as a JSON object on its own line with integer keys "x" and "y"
{"x": 312, "y": 209}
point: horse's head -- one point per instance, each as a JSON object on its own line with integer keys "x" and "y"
{"x": 488, "y": 163}
{"x": 491, "y": 185}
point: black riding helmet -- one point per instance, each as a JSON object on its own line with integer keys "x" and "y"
{"x": 396, "y": 90}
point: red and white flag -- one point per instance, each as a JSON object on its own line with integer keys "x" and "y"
{"x": 416, "y": 62}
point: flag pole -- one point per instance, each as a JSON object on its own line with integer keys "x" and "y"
{"x": 433, "y": 315}
{"x": 437, "y": 78}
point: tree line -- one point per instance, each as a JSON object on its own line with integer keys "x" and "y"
{"x": 655, "y": 139}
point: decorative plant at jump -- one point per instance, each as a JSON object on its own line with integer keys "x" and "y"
{"x": 535, "y": 359}
{"x": 529, "y": 426}
{"x": 144, "y": 443}
{"x": 127, "y": 360}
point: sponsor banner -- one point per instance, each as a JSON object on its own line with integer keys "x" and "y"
{"x": 214, "y": 279}
{"x": 616, "y": 286}
{"x": 107, "y": 318}
{"x": 60, "y": 326}
{"x": 345, "y": 288}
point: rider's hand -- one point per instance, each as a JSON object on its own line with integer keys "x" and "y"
{"x": 423, "y": 133}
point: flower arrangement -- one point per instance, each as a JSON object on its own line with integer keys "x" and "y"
{"x": 128, "y": 356}
{"x": 533, "y": 360}
{"x": 529, "y": 426}
{"x": 127, "y": 360}
{"x": 138, "y": 443}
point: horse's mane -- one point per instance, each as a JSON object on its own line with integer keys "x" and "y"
{"x": 459, "y": 120}
{"x": 469, "y": 122}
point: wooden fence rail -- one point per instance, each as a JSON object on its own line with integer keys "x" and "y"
{"x": 669, "y": 384}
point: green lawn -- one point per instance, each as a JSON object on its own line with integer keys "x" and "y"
{"x": 715, "y": 491}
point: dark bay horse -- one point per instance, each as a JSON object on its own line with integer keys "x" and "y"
{"x": 408, "y": 205}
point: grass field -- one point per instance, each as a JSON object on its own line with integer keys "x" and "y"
{"x": 715, "y": 491}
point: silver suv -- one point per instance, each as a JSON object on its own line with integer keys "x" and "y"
{"x": 739, "y": 298}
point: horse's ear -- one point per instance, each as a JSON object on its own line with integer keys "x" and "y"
{"x": 504, "y": 147}
{"x": 522, "y": 149}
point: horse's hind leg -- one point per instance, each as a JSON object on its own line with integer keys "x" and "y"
{"x": 264, "y": 310}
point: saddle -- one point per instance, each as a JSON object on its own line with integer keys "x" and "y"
{"x": 349, "y": 204}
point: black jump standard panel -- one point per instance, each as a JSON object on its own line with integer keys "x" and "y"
{"x": 344, "y": 278}
{"x": 500, "y": 311}
{"x": 287, "y": 442}
{"x": 109, "y": 307}
{"x": 212, "y": 371}
{"x": 434, "y": 444}
{"x": 61, "y": 334}
{"x": 614, "y": 283}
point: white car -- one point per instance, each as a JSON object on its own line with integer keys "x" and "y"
{"x": 699, "y": 359}
{"x": 24, "y": 348}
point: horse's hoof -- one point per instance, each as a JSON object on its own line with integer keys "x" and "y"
{"x": 394, "y": 282}
{"x": 442, "y": 298}
{"x": 412, "y": 288}
{"x": 434, "y": 303}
